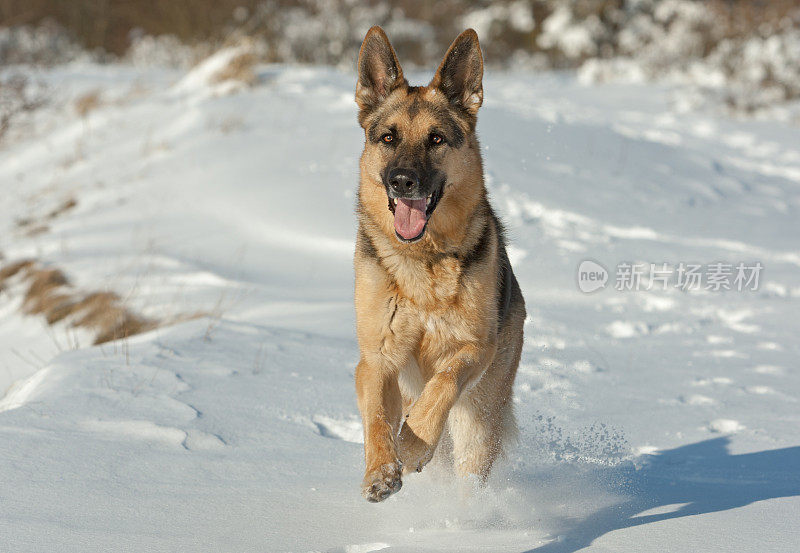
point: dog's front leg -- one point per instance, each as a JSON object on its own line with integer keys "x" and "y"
{"x": 425, "y": 421}
{"x": 380, "y": 404}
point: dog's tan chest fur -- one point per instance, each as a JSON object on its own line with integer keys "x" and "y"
{"x": 429, "y": 285}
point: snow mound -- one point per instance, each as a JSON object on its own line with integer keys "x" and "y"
{"x": 223, "y": 72}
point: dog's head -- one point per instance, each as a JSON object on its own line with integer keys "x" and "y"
{"x": 420, "y": 151}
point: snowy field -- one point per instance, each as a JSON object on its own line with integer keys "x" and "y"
{"x": 651, "y": 420}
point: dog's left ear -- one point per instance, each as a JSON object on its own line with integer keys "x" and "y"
{"x": 460, "y": 75}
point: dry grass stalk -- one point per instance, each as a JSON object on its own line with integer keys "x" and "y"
{"x": 65, "y": 206}
{"x": 88, "y": 102}
{"x": 37, "y": 230}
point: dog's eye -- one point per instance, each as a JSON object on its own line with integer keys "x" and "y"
{"x": 387, "y": 138}
{"x": 436, "y": 139}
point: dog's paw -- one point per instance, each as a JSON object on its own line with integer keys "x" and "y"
{"x": 414, "y": 452}
{"x": 382, "y": 482}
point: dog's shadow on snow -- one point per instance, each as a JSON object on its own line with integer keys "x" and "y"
{"x": 702, "y": 477}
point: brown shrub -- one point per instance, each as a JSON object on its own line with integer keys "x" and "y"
{"x": 17, "y": 98}
{"x": 109, "y": 24}
{"x": 740, "y": 18}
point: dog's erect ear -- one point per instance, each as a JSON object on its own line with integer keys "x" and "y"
{"x": 460, "y": 75}
{"x": 379, "y": 72}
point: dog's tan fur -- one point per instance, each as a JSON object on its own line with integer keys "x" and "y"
{"x": 439, "y": 321}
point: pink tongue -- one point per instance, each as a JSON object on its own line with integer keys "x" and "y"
{"x": 409, "y": 217}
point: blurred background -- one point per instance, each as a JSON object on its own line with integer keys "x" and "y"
{"x": 743, "y": 53}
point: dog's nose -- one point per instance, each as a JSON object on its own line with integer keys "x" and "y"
{"x": 403, "y": 181}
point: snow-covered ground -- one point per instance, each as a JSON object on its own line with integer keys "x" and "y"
{"x": 651, "y": 420}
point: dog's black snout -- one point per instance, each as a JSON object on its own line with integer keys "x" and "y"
{"x": 404, "y": 182}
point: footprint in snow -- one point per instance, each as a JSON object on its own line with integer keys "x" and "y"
{"x": 769, "y": 369}
{"x": 716, "y": 381}
{"x": 360, "y": 548}
{"x": 197, "y": 440}
{"x": 149, "y": 431}
{"x": 759, "y": 390}
{"x": 349, "y": 430}
{"x": 697, "y": 399}
{"x": 725, "y": 426}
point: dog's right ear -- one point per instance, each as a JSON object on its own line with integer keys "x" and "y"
{"x": 379, "y": 72}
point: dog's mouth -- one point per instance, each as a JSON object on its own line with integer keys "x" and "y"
{"x": 411, "y": 215}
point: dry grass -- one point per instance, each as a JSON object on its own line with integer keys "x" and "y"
{"x": 10, "y": 270}
{"x": 49, "y": 294}
{"x": 231, "y": 124}
{"x": 42, "y": 291}
{"x": 126, "y": 325}
{"x": 17, "y": 98}
{"x": 34, "y": 226}
{"x": 86, "y": 103}
{"x": 103, "y": 313}
{"x": 65, "y": 206}
{"x": 36, "y": 230}
{"x": 61, "y": 310}
{"x": 240, "y": 68}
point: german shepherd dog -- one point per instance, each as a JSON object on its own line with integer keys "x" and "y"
{"x": 439, "y": 311}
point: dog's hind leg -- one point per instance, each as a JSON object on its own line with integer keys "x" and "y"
{"x": 482, "y": 421}
{"x": 479, "y": 430}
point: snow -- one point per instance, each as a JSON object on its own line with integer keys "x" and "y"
{"x": 656, "y": 419}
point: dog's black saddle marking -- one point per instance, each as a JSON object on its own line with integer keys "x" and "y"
{"x": 504, "y": 282}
